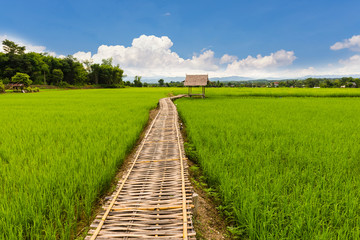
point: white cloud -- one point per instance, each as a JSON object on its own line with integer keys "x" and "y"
{"x": 152, "y": 56}
{"x": 82, "y": 56}
{"x": 349, "y": 66}
{"x": 352, "y": 43}
{"x": 274, "y": 60}
{"x": 28, "y": 46}
{"x": 167, "y": 14}
{"x": 228, "y": 59}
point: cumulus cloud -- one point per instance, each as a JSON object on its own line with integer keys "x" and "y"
{"x": 152, "y": 56}
{"x": 29, "y": 47}
{"x": 349, "y": 66}
{"x": 227, "y": 59}
{"x": 81, "y": 56}
{"x": 352, "y": 43}
{"x": 274, "y": 60}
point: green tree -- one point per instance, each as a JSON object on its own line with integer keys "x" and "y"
{"x": 12, "y": 48}
{"x": 94, "y": 73}
{"x": 106, "y": 74}
{"x": 80, "y": 74}
{"x": 57, "y": 75}
{"x": 337, "y": 83}
{"x": 161, "y": 82}
{"x": 107, "y": 62}
{"x": 137, "y": 81}
{"x": 21, "y": 78}
{"x": 45, "y": 70}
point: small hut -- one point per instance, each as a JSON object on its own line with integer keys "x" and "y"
{"x": 16, "y": 86}
{"x": 196, "y": 81}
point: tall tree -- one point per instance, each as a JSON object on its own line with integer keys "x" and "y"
{"x": 12, "y": 48}
{"x": 137, "y": 81}
{"x": 107, "y": 62}
{"x": 57, "y": 75}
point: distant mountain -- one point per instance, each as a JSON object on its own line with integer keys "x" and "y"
{"x": 230, "y": 79}
{"x": 180, "y": 79}
{"x": 156, "y": 79}
{"x": 233, "y": 78}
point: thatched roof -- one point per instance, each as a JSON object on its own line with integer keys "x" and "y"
{"x": 15, "y": 84}
{"x": 196, "y": 80}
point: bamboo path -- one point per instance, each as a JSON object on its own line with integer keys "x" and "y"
{"x": 154, "y": 198}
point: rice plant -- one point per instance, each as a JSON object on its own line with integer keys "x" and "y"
{"x": 285, "y": 167}
{"x": 59, "y": 152}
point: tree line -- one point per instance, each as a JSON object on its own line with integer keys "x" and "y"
{"x": 344, "y": 82}
{"x": 45, "y": 69}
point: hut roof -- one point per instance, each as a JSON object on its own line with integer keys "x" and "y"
{"x": 196, "y": 80}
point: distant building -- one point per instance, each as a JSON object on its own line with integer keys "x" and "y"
{"x": 276, "y": 84}
{"x": 353, "y": 84}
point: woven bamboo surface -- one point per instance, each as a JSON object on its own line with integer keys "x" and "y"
{"x": 154, "y": 198}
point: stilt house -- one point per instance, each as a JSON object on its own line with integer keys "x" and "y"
{"x": 196, "y": 81}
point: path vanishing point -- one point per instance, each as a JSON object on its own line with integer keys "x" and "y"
{"x": 154, "y": 198}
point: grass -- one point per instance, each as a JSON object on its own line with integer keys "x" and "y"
{"x": 59, "y": 151}
{"x": 285, "y": 167}
{"x": 277, "y": 92}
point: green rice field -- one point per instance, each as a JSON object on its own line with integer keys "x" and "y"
{"x": 286, "y": 162}
{"x": 59, "y": 151}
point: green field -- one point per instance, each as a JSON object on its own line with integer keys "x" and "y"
{"x": 276, "y": 92}
{"x": 59, "y": 151}
{"x": 284, "y": 161}
{"x": 285, "y": 167}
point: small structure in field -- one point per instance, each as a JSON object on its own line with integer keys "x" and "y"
{"x": 16, "y": 86}
{"x": 196, "y": 81}
{"x": 352, "y": 84}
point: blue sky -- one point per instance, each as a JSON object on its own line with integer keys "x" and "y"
{"x": 303, "y": 30}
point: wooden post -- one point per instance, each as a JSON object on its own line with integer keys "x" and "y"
{"x": 195, "y": 200}
{"x": 203, "y": 92}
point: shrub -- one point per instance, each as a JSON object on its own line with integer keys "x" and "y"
{"x": 21, "y": 78}
{"x": 63, "y": 84}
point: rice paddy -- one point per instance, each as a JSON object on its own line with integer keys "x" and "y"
{"x": 285, "y": 167}
{"x": 59, "y": 151}
{"x": 285, "y": 162}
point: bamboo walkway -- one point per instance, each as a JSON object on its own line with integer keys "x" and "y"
{"x": 154, "y": 199}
